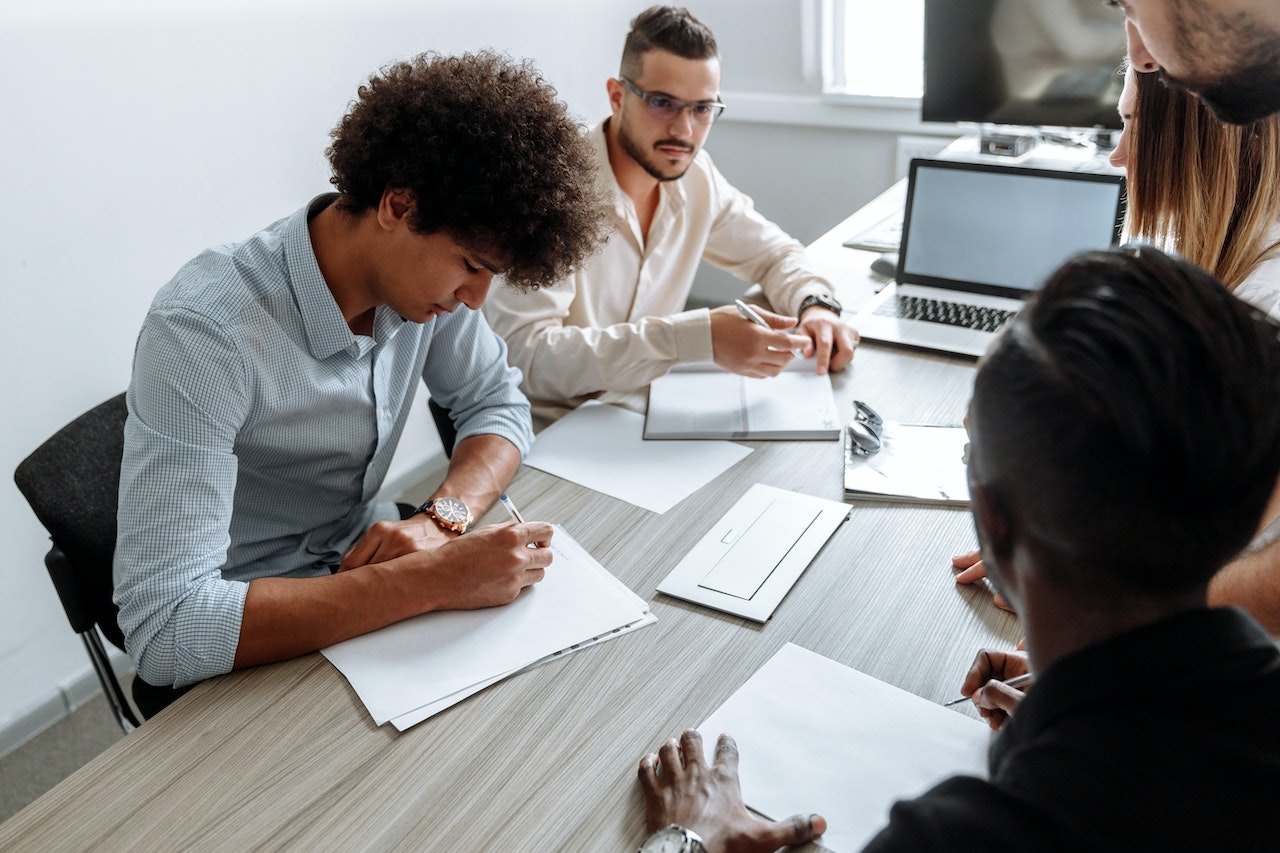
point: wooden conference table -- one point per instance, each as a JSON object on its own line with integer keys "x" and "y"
{"x": 286, "y": 757}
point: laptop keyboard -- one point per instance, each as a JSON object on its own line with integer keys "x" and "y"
{"x": 949, "y": 313}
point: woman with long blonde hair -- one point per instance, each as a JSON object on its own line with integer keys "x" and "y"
{"x": 1207, "y": 190}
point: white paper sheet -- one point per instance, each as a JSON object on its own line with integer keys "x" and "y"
{"x": 915, "y": 461}
{"x": 819, "y": 737}
{"x": 417, "y": 715}
{"x": 421, "y": 661}
{"x": 601, "y": 447}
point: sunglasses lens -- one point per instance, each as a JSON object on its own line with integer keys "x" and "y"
{"x": 864, "y": 439}
{"x": 866, "y": 414}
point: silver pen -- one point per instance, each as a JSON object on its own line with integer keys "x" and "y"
{"x": 754, "y": 316}
{"x": 750, "y": 313}
{"x": 1016, "y": 681}
{"x": 511, "y": 508}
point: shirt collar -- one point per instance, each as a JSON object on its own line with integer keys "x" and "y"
{"x": 326, "y": 329}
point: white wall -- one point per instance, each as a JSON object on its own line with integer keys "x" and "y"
{"x": 140, "y": 131}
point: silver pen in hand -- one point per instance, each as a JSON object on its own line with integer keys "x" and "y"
{"x": 754, "y": 316}
{"x": 1016, "y": 681}
{"x": 511, "y": 508}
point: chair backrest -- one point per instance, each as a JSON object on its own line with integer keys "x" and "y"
{"x": 72, "y": 482}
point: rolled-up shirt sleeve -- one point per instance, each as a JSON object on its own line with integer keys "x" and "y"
{"x": 468, "y": 374}
{"x": 180, "y": 618}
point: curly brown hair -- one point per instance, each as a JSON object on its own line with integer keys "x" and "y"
{"x": 489, "y": 154}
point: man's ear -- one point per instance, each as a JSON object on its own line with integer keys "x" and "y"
{"x": 396, "y": 204}
{"x": 995, "y": 531}
{"x": 614, "y": 88}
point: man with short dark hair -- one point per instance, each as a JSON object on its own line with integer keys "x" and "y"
{"x": 1125, "y": 436}
{"x": 1225, "y": 51}
{"x": 273, "y": 377}
{"x": 619, "y": 321}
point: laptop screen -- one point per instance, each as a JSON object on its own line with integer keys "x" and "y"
{"x": 1001, "y": 230}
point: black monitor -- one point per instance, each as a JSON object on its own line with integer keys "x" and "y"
{"x": 1041, "y": 63}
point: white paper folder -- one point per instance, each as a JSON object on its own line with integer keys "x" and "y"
{"x": 752, "y": 556}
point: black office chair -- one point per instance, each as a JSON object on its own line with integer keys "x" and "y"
{"x": 71, "y": 481}
{"x": 444, "y": 425}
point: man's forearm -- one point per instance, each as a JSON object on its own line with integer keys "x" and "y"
{"x": 287, "y": 617}
{"x": 1251, "y": 581}
{"x": 481, "y": 468}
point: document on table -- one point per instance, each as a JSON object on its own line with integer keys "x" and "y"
{"x": 408, "y": 671}
{"x": 704, "y": 400}
{"x": 818, "y": 737}
{"x": 749, "y": 559}
{"x": 601, "y": 447}
{"x": 916, "y": 463}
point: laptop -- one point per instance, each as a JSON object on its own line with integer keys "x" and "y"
{"x": 977, "y": 240}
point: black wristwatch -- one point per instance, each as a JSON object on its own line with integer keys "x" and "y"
{"x": 822, "y": 300}
{"x": 450, "y": 513}
{"x": 673, "y": 839}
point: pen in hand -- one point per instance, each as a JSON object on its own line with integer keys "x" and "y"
{"x": 1016, "y": 681}
{"x": 515, "y": 515}
{"x": 754, "y": 316}
{"x": 511, "y": 508}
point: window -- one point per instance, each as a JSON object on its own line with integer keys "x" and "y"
{"x": 873, "y": 48}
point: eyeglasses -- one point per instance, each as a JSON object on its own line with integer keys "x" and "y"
{"x": 864, "y": 429}
{"x": 666, "y": 107}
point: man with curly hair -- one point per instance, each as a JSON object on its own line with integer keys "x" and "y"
{"x": 619, "y": 321}
{"x": 273, "y": 378}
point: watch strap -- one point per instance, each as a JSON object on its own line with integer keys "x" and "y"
{"x": 822, "y": 300}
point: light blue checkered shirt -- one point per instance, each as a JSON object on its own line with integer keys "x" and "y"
{"x": 260, "y": 430}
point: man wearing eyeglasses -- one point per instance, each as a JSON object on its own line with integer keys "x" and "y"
{"x": 619, "y": 321}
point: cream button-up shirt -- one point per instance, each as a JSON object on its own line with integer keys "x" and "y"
{"x": 619, "y": 322}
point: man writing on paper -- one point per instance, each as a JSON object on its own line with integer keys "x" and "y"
{"x": 1125, "y": 439}
{"x": 618, "y": 321}
{"x": 273, "y": 377}
{"x": 1228, "y": 53}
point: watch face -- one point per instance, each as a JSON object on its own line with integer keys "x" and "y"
{"x": 669, "y": 839}
{"x": 451, "y": 514}
{"x": 451, "y": 509}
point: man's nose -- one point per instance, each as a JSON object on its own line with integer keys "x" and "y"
{"x": 1139, "y": 57}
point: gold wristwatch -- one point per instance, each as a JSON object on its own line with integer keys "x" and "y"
{"x": 450, "y": 513}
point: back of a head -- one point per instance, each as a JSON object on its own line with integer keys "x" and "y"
{"x": 670, "y": 28}
{"x": 1129, "y": 419}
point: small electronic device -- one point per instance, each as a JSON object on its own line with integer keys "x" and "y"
{"x": 1007, "y": 144}
{"x": 977, "y": 240}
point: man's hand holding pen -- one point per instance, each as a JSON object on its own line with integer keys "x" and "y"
{"x": 993, "y": 683}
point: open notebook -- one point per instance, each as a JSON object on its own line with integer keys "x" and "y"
{"x": 703, "y": 400}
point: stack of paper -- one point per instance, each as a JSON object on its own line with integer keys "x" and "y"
{"x": 407, "y": 672}
{"x": 706, "y": 401}
{"x": 818, "y": 737}
{"x": 919, "y": 463}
